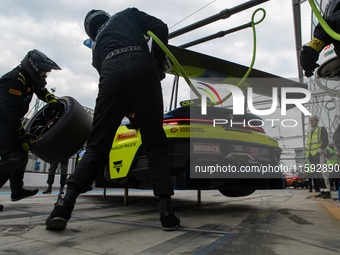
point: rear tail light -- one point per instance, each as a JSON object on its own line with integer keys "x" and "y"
{"x": 184, "y": 121}
{"x": 205, "y": 121}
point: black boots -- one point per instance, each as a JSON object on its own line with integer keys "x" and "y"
{"x": 48, "y": 190}
{"x": 320, "y": 195}
{"x": 325, "y": 195}
{"x": 168, "y": 219}
{"x": 1, "y": 208}
{"x": 62, "y": 211}
{"x": 23, "y": 193}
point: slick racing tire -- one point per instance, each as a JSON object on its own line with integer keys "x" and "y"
{"x": 59, "y": 133}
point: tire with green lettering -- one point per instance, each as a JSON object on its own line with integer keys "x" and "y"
{"x": 59, "y": 133}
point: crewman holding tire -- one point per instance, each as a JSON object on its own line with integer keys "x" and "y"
{"x": 310, "y": 53}
{"x": 16, "y": 91}
{"x": 129, "y": 83}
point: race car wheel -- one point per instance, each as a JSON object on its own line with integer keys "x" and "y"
{"x": 59, "y": 133}
{"x": 237, "y": 193}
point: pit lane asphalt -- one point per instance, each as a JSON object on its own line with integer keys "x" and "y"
{"x": 289, "y": 221}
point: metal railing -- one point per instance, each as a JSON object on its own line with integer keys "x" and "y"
{"x": 36, "y": 165}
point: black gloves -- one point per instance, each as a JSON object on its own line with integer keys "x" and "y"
{"x": 309, "y": 56}
{"x": 52, "y": 102}
{"x": 161, "y": 76}
{"x": 133, "y": 123}
{"x": 161, "y": 70}
{"x": 308, "y": 59}
{"x": 52, "y": 106}
{"x": 25, "y": 138}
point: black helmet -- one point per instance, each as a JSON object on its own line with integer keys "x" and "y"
{"x": 93, "y": 21}
{"x": 36, "y": 62}
{"x": 332, "y": 6}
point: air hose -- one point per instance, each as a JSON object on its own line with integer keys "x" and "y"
{"x": 174, "y": 61}
{"x": 185, "y": 76}
{"x": 254, "y": 49}
{"x": 323, "y": 23}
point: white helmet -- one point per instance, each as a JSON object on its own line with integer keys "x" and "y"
{"x": 314, "y": 117}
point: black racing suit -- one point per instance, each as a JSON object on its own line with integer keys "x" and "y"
{"x": 129, "y": 83}
{"x": 16, "y": 91}
{"x": 333, "y": 22}
{"x": 310, "y": 53}
{"x": 63, "y": 173}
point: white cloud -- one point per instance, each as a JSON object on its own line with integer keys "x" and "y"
{"x": 56, "y": 28}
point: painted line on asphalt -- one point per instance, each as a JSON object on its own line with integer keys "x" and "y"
{"x": 132, "y": 224}
{"x": 214, "y": 245}
{"x": 225, "y": 236}
{"x": 91, "y": 192}
{"x": 261, "y": 215}
{"x": 206, "y": 250}
{"x": 334, "y": 209}
{"x": 134, "y": 215}
{"x": 294, "y": 217}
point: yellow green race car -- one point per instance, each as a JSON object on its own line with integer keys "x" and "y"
{"x": 194, "y": 139}
{"x": 197, "y": 148}
{"x": 232, "y": 159}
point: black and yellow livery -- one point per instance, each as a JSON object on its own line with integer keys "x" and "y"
{"x": 187, "y": 134}
{"x": 236, "y": 146}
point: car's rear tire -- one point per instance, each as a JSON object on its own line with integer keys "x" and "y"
{"x": 61, "y": 138}
{"x": 237, "y": 193}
